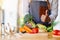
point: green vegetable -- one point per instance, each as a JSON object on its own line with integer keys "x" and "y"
{"x": 50, "y": 29}
{"x": 55, "y": 23}
{"x": 33, "y": 24}
{"x": 42, "y": 26}
{"x": 28, "y": 18}
{"x": 22, "y": 22}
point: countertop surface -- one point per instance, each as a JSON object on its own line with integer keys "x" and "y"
{"x": 38, "y": 36}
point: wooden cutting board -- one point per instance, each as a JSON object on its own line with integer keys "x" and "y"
{"x": 38, "y": 36}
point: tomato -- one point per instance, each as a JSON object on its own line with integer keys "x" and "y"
{"x": 56, "y": 32}
{"x": 34, "y": 30}
{"x": 32, "y": 33}
{"x": 59, "y": 33}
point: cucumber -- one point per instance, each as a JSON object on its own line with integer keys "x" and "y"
{"x": 50, "y": 29}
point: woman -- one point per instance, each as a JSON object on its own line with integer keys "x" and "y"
{"x": 50, "y": 14}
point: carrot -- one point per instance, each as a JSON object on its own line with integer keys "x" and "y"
{"x": 21, "y": 29}
{"x": 27, "y": 29}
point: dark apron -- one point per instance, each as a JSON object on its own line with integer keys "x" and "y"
{"x": 34, "y": 11}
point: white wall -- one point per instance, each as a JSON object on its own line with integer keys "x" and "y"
{"x": 10, "y": 11}
{"x": 23, "y": 8}
{"x": 57, "y": 27}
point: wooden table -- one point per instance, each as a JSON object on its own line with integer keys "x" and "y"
{"x": 39, "y": 36}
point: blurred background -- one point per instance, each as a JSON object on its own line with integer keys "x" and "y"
{"x": 11, "y": 10}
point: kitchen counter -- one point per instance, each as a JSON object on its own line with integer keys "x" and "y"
{"x": 38, "y": 36}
